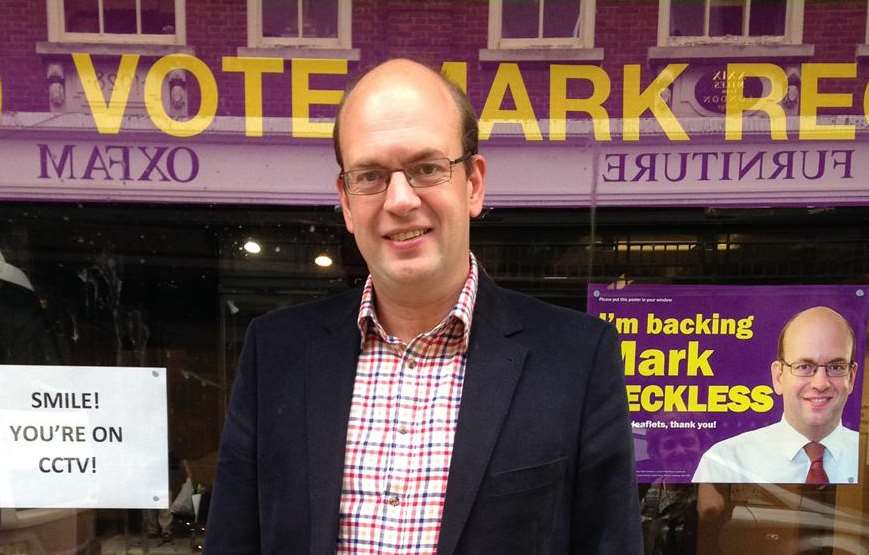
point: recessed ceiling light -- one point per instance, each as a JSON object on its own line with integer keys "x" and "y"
{"x": 323, "y": 260}
{"x": 252, "y": 247}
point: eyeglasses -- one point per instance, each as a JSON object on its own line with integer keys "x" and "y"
{"x": 420, "y": 174}
{"x": 806, "y": 369}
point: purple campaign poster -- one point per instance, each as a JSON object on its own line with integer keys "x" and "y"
{"x": 730, "y": 383}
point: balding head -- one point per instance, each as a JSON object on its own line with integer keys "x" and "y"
{"x": 816, "y": 317}
{"x": 391, "y": 75}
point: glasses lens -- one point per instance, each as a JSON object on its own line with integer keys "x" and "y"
{"x": 804, "y": 369}
{"x": 365, "y": 182}
{"x": 429, "y": 172}
{"x": 838, "y": 369}
{"x": 688, "y": 442}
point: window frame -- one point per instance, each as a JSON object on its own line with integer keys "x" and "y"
{"x": 793, "y": 34}
{"x": 587, "y": 10}
{"x": 255, "y": 38}
{"x": 57, "y": 28}
{"x": 866, "y": 39}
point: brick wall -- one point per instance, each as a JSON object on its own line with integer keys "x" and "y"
{"x": 22, "y": 25}
{"x": 431, "y": 32}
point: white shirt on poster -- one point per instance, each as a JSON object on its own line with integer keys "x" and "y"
{"x": 774, "y": 454}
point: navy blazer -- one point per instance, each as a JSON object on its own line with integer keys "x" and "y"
{"x": 542, "y": 458}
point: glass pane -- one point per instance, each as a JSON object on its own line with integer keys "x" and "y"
{"x": 561, "y": 18}
{"x": 80, "y": 16}
{"x": 756, "y": 246}
{"x": 519, "y": 18}
{"x": 119, "y": 16}
{"x": 280, "y": 18}
{"x": 686, "y": 18}
{"x": 725, "y": 17}
{"x": 149, "y": 286}
{"x": 158, "y": 17}
{"x": 320, "y": 18}
{"x": 767, "y": 18}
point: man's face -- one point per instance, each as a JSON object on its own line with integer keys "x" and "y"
{"x": 409, "y": 237}
{"x": 814, "y": 405}
{"x": 679, "y": 450}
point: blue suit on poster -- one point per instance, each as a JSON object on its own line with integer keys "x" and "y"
{"x": 542, "y": 459}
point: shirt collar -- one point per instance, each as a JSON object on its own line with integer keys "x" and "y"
{"x": 462, "y": 311}
{"x": 836, "y": 443}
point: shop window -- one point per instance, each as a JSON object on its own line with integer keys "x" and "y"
{"x": 175, "y": 286}
{"x": 299, "y": 23}
{"x": 541, "y": 23}
{"x": 117, "y": 21}
{"x": 682, "y": 22}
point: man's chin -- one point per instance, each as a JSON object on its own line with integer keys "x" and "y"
{"x": 416, "y": 272}
{"x": 684, "y": 465}
{"x": 821, "y": 424}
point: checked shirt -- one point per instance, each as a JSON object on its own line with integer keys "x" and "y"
{"x": 400, "y": 433}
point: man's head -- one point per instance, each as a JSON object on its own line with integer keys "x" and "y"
{"x": 813, "y": 404}
{"x": 676, "y": 448}
{"x": 402, "y": 115}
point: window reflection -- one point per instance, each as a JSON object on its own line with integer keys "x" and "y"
{"x": 175, "y": 287}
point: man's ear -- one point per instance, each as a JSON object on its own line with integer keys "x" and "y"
{"x": 476, "y": 181}
{"x": 776, "y": 369}
{"x": 345, "y": 204}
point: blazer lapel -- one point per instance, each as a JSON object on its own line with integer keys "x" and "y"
{"x": 328, "y": 394}
{"x": 494, "y": 365}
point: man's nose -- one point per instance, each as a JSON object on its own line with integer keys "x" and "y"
{"x": 820, "y": 380}
{"x": 401, "y": 198}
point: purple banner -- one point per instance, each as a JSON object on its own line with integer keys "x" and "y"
{"x": 741, "y": 383}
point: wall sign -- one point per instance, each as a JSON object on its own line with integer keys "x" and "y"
{"x": 710, "y": 91}
{"x": 83, "y": 437}
{"x": 700, "y": 376}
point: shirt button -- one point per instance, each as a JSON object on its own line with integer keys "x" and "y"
{"x": 411, "y": 363}
{"x": 402, "y": 429}
{"x": 393, "y": 500}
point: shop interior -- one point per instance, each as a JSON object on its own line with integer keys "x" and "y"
{"x": 176, "y": 287}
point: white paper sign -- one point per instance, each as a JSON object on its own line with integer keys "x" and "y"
{"x": 83, "y": 437}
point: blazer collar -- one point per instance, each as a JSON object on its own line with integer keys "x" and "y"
{"x": 330, "y": 373}
{"x": 495, "y": 361}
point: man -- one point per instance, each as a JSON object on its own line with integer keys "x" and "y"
{"x": 813, "y": 373}
{"x": 668, "y": 506}
{"x": 432, "y": 411}
{"x": 674, "y": 452}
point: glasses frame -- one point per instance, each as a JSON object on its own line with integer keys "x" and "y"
{"x": 464, "y": 158}
{"x": 851, "y": 366}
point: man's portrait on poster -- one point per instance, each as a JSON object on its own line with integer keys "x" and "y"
{"x": 813, "y": 374}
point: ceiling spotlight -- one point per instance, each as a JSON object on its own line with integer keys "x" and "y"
{"x": 323, "y": 260}
{"x": 252, "y": 247}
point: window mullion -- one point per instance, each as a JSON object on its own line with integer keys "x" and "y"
{"x": 299, "y": 16}
{"x": 577, "y": 28}
{"x": 540, "y": 19}
{"x": 138, "y": 17}
{"x": 706, "y": 15}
